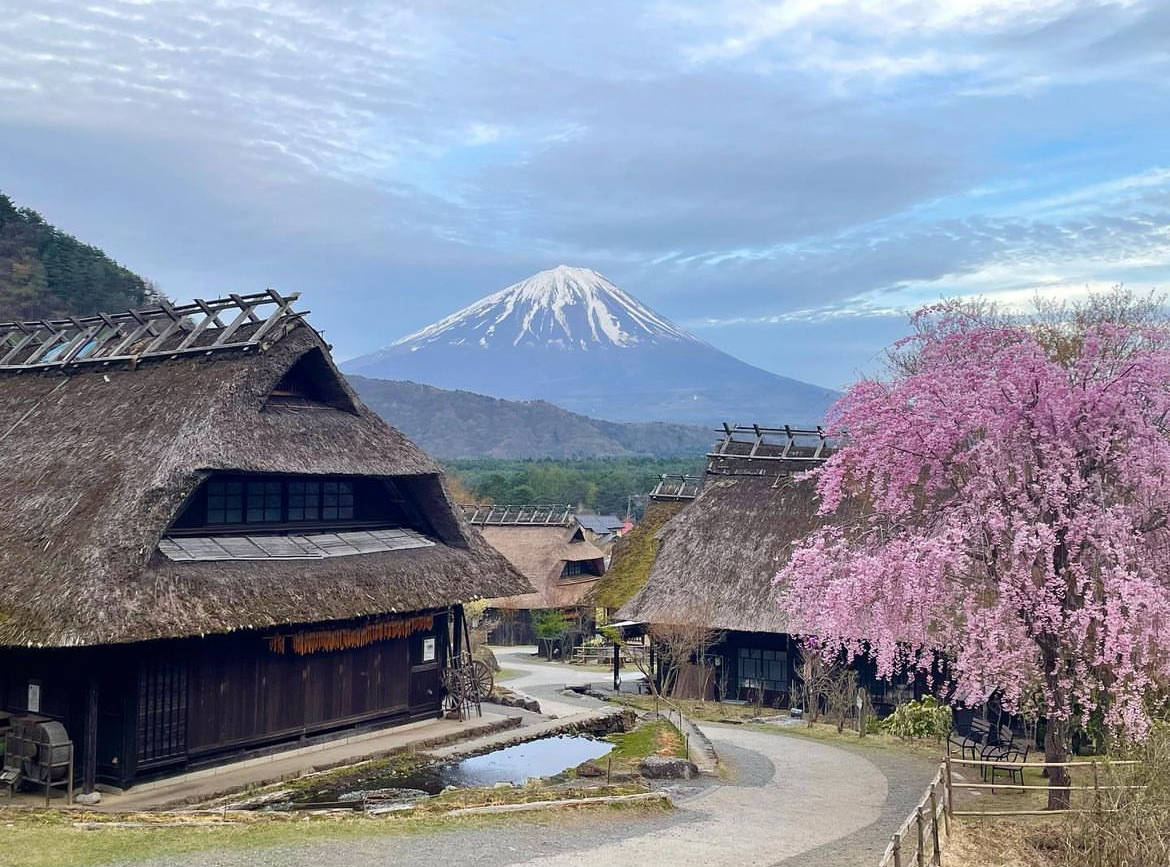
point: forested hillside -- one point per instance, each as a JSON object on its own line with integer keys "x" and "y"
{"x": 604, "y": 485}
{"x": 459, "y": 424}
{"x": 47, "y": 274}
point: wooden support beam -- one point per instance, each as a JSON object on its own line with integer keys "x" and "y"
{"x": 89, "y": 754}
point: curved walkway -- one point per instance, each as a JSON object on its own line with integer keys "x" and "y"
{"x": 787, "y": 801}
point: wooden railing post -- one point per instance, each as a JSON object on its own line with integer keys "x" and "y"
{"x": 948, "y": 793}
{"x": 921, "y": 853}
{"x": 898, "y": 849}
{"x": 937, "y": 859}
{"x": 1096, "y": 789}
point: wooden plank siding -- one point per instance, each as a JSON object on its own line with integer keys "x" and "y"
{"x": 174, "y": 705}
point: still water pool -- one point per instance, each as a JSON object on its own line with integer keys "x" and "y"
{"x": 515, "y": 764}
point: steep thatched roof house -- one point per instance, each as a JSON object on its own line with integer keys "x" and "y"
{"x": 633, "y": 554}
{"x": 210, "y": 545}
{"x": 548, "y": 547}
{"x": 716, "y": 558}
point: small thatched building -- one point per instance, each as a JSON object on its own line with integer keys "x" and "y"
{"x": 716, "y": 559}
{"x": 548, "y": 546}
{"x": 210, "y": 546}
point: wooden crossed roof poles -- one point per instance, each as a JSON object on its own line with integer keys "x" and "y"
{"x": 238, "y": 322}
{"x": 676, "y": 487}
{"x": 518, "y": 515}
{"x": 773, "y": 443}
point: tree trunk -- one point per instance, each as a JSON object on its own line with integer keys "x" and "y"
{"x": 1056, "y": 750}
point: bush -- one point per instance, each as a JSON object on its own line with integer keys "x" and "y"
{"x": 1127, "y": 826}
{"x": 919, "y": 719}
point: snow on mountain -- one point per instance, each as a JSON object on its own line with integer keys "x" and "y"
{"x": 562, "y": 306}
{"x": 571, "y": 337}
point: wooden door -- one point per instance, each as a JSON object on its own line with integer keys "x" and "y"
{"x": 162, "y": 709}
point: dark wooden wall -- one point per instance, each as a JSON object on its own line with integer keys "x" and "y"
{"x": 166, "y": 706}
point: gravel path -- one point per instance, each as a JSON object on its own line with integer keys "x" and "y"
{"x": 787, "y": 801}
{"x": 546, "y": 681}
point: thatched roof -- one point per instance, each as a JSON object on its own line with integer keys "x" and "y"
{"x": 96, "y": 461}
{"x": 717, "y": 557}
{"x": 540, "y": 553}
{"x": 633, "y": 555}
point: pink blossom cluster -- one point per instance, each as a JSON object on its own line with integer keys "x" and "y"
{"x": 1007, "y": 509}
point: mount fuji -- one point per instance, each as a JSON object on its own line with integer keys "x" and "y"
{"x": 573, "y": 338}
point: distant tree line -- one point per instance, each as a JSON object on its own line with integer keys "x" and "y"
{"x": 603, "y": 485}
{"x": 47, "y": 274}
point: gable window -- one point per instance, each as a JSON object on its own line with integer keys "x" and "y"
{"x": 278, "y": 501}
{"x": 574, "y": 568}
{"x": 238, "y": 503}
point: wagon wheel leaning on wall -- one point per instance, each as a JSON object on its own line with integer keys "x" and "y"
{"x": 478, "y": 680}
{"x": 454, "y": 684}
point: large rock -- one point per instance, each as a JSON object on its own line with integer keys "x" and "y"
{"x": 667, "y": 768}
{"x": 589, "y": 769}
{"x": 485, "y": 654}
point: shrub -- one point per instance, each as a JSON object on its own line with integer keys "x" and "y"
{"x": 1125, "y": 826}
{"x": 919, "y": 719}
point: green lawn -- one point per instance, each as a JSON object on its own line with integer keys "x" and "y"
{"x": 50, "y": 839}
{"x": 647, "y": 739}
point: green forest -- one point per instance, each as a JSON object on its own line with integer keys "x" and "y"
{"x": 47, "y": 274}
{"x": 604, "y": 485}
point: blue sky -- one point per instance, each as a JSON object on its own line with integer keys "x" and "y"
{"x": 785, "y": 179}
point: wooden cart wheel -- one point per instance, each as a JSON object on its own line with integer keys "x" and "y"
{"x": 479, "y": 680}
{"x": 453, "y": 683}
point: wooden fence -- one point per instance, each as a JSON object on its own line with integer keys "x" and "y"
{"x": 921, "y": 839}
{"x": 1096, "y": 786}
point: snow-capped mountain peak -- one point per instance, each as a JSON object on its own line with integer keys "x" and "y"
{"x": 570, "y": 336}
{"x": 563, "y": 306}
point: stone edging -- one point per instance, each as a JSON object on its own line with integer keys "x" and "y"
{"x": 645, "y": 797}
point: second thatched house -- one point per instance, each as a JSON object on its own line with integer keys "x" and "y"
{"x": 710, "y": 584}
{"x": 548, "y": 546}
{"x": 210, "y": 546}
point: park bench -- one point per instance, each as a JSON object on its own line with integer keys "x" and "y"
{"x": 1009, "y": 761}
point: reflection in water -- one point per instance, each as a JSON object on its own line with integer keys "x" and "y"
{"x": 539, "y": 758}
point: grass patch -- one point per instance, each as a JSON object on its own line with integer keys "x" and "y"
{"x": 925, "y": 749}
{"x": 746, "y": 714}
{"x": 506, "y": 674}
{"x": 653, "y": 738}
{"x": 50, "y": 838}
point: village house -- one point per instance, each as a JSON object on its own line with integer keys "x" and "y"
{"x": 549, "y": 547}
{"x": 211, "y": 547}
{"x": 710, "y": 581}
{"x": 603, "y": 530}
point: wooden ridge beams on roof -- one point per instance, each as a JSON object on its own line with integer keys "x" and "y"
{"x": 676, "y": 487}
{"x": 517, "y": 515}
{"x": 749, "y": 448}
{"x": 163, "y": 331}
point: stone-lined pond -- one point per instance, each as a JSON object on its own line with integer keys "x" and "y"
{"x": 514, "y": 765}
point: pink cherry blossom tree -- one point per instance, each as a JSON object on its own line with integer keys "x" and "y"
{"x": 1002, "y": 499}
